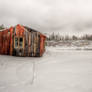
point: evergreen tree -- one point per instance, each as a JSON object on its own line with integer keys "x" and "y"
{"x": 2, "y": 27}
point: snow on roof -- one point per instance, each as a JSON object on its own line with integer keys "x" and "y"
{"x": 2, "y": 30}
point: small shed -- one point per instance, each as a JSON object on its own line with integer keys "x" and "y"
{"x": 22, "y": 41}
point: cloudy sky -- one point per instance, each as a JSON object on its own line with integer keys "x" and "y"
{"x": 64, "y": 16}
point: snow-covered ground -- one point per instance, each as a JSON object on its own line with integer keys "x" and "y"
{"x": 71, "y": 44}
{"x": 57, "y": 71}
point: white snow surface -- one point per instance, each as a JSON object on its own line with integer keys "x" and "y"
{"x": 57, "y": 71}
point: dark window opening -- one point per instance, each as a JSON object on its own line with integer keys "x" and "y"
{"x": 21, "y": 42}
{"x": 16, "y": 42}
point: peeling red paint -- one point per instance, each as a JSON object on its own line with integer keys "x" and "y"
{"x": 32, "y": 43}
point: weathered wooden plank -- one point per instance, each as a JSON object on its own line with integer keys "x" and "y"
{"x": 11, "y": 41}
{"x": 29, "y": 43}
{"x": 34, "y": 43}
{"x": 38, "y": 45}
{"x": 1, "y": 43}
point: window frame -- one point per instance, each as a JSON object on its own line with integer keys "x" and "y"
{"x": 19, "y": 42}
{"x": 22, "y": 42}
{"x": 15, "y": 42}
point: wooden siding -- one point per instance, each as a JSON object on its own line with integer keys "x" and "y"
{"x": 4, "y": 42}
{"x": 30, "y": 43}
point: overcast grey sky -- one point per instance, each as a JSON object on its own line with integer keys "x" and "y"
{"x": 65, "y": 16}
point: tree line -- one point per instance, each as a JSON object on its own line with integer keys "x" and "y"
{"x": 58, "y": 37}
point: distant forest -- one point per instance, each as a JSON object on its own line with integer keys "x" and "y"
{"x": 58, "y": 37}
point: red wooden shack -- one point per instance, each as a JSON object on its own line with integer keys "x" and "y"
{"x": 22, "y": 41}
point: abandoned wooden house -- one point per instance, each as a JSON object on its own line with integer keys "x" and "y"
{"x": 22, "y": 41}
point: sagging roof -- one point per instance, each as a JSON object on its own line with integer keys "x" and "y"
{"x": 29, "y": 29}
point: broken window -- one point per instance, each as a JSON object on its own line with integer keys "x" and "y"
{"x": 18, "y": 42}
